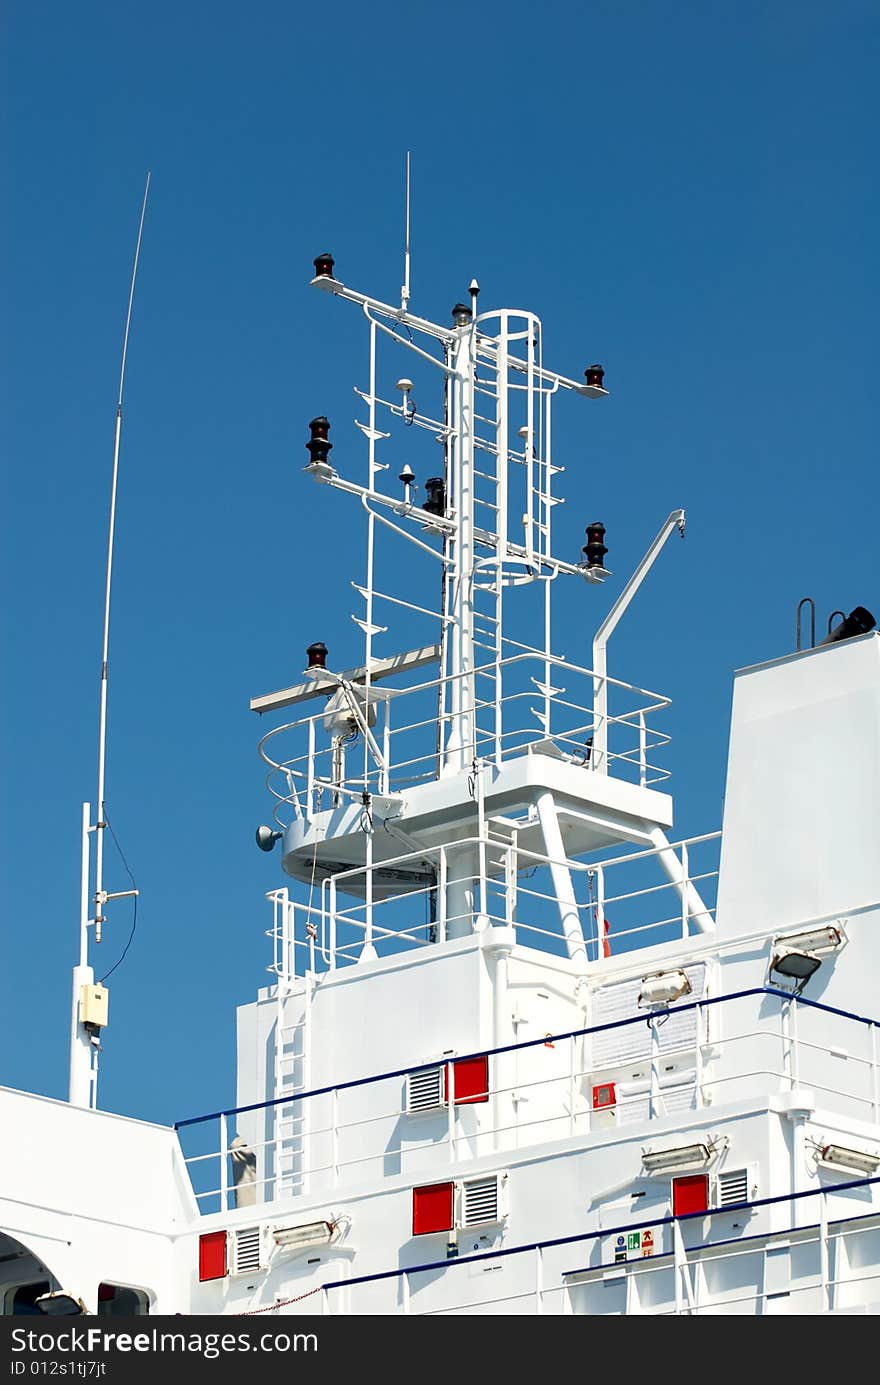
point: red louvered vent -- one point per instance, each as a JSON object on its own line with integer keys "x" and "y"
{"x": 432, "y": 1208}
{"x": 212, "y": 1255}
{"x": 690, "y": 1193}
{"x": 470, "y": 1080}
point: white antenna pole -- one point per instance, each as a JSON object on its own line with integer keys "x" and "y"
{"x": 84, "y": 1045}
{"x": 404, "y": 292}
{"x": 100, "y": 896}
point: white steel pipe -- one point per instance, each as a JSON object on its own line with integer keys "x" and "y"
{"x": 691, "y": 901}
{"x": 561, "y": 876}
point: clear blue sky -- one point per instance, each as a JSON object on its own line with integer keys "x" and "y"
{"x": 684, "y": 192}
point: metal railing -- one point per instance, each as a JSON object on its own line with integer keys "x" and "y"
{"x": 543, "y": 1089}
{"x": 513, "y": 889}
{"x": 833, "y": 1263}
{"x": 521, "y": 707}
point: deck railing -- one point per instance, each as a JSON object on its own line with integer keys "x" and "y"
{"x": 626, "y": 901}
{"x": 538, "y": 1091}
{"x": 530, "y": 699}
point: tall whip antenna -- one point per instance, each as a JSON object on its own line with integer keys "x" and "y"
{"x": 404, "y": 292}
{"x": 100, "y": 897}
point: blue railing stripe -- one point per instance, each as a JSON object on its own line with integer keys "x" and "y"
{"x": 513, "y": 1048}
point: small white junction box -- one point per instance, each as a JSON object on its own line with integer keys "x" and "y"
{"x": 94, "y": 1002}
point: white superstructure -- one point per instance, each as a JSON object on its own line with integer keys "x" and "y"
{"x": 522, "y": 1050}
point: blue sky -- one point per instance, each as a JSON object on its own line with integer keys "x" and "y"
{"x": 684, "y": 192}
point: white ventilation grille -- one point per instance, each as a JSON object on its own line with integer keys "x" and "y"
{"x": 247, "y": 1250}
{"x": 481, "y": 1201}
{"x": 732, "y": 1186}
{"x": 620, "y": 1000}
{"x": 425, "y": 1089}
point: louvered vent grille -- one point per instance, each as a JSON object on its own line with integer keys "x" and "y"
{"x": 733, "y": 1186}
{"x": 247, "y": 1250}
{"x": 479, "y": 1202}
{"x": 424, "y": 1089}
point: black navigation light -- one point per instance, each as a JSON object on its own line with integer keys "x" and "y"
{"x": 461, "y": 315}
{"x": 594, "y": 375}
{"x": 435, "y": 491}
{"x": 858, "y": 622}
{"x": 324, "y": 266}
{"x": 319, "y": 445}
{"x": 317, "y": 655}
{"x": 266, "y": 837}
{"x": 594, "y": 549}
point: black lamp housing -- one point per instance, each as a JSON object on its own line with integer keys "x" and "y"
{"x": 858, "y": 622}
{"x": 317, "y": 655}
{"x": 594, "y": 375}
{"x": 318, "y": 445}
{"x": 435, "y": 492}
{"x": 594, "y": 549}
{"x": 324, "y": 266}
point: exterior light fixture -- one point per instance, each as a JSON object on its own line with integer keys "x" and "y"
{"x": 435, "y": 491}
{"x": 324, "y": 266}
{"x": 677, "y": 1160}
{"x": 313, "y": 1233}
{"x": 317, "y": 657}
{"x": 461, "y": 315}
{"x": 60, "y": 1305}
{"x": 266, "y": 837}
{"x": 594, "y": 549}
{"x": 818, "y": 940}
{"x": 663, "y": 988}
{"x": 794, "y": 964}
{"x": 839, "y": 1157}
{"x": 594, "y": 375}
{"x": 595, "y": 387}
{"x": 858, "y": 622}
{"x": 318, "y": 448}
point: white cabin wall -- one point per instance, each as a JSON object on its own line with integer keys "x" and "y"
{"x": 803, "y": 790}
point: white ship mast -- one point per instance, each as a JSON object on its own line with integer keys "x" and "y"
{"x": 526, "y": 744}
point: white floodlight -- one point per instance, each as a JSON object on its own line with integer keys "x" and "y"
{"x": 794, "y": 963}
{"x": 313, "y": 1233}
{"x": 60, "y": 1305}
{"x": 678, "y": 1160}
{"x": 839, "y": 1157}
{"x": 664, "y": 987}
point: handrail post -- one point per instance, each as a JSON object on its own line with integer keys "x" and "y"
{"x": 685, "y": 881}
{"x": 450, "y": 1108}
{"x": 643, "y": 751}
{"x": 441, "y": 896}
{"x": 224, "y": 1164}
{"x": 334, "y": 1135}
{"x": 310, "y": 772}
{"x": 332, "y": 893}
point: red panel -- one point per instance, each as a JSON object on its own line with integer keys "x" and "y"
{"x": 690, "y": 1194}
{"x": 470, "y": 1080}
{"x": 106, "y": 1292}
{"x": 432, "y": 1208}
{"x": 212, "y": 1255}
{"x": 604, "y": 1095}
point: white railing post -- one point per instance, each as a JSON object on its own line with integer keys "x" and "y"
{"x": 685, "y": 881}
{"x": 572, "y": 1080}
{"x": 334, "y": 1135}
{"x": 600, "y": 913}
{"x": 539, "y": 1281}
{"x": 643, "y": 751}
{"x": 405, "y": 1294}
{"x": 441, "y": 896}
{"x": 510, "y": 884}
{"x": 450, "y": 1108}
{"x": 310, "y": 772}
{"x": 385, "y": 769}
{"x": 224, "y": 1165}
{"x": 698, "y": 1058}
{"x": 332, "y": 905}
{"x": 875, "y": 1083}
